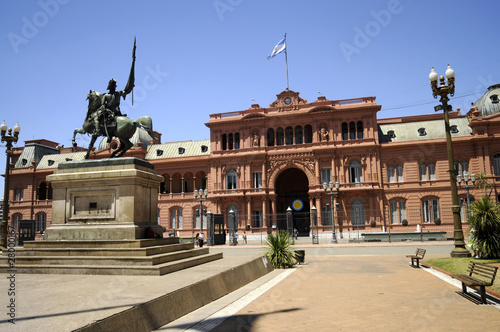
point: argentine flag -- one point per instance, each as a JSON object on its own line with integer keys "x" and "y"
{"x": 279, "y": 48}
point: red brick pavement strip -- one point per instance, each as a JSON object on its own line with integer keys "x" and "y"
{"x": 362, "y": 294}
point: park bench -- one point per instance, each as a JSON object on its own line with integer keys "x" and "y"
{"x": 485, "y": 272}
{"x": 419, "y": 254}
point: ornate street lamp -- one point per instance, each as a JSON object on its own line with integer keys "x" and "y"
{"x": 466, "y": 186}
{"x": 201, "y": 192}
{"x": 9, "y": 139}
{"x": 443, "y": 91}
{"x": 332, "y": 193}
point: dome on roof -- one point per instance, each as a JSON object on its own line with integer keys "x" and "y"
{"x": 140, "y": 135}
{"x": 489, "y": 103}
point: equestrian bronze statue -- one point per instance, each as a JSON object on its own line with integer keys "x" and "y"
{"x": 104, "y": 117}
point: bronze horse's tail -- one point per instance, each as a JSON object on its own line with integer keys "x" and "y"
{"x": 147, "y": 124}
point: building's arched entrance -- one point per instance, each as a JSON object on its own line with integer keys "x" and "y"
{"x": 291, "y": 185}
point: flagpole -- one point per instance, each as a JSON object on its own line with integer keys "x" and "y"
{"x": 286, "y": 63}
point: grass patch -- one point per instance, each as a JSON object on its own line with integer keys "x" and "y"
{"x": 459, "y": 266}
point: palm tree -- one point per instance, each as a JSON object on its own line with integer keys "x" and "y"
{"x": 485, "y": 228}
{"x": 482, "y": 182}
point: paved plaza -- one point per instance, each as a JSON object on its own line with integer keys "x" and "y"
{"x": 347, "y": 287}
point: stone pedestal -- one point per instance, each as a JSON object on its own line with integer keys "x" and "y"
{"x": 107, "y": 199}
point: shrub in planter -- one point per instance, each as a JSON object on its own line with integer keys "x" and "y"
{"x": 373, "y": 224}
{"x": 404, "y": 222}
{"x": 279, "y": 250}
{"x": 437, "y": 221}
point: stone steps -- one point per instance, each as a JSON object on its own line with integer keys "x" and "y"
{"x": 106, "y": 260}
{"x": 127, "y": 257}
{"x": 156, "y": 270}
{"x": 138, "y": 252}
{"x": 91, "y": 244}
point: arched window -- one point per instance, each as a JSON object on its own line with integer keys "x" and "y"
{"x": 390, "y": 173}
{"x": 398, "y": 211}
{"x": 280, "y": 136}
{"x": 42, "y": 191}
{"x": 358, "y": 213}
{"x": 176, "y": 218}
{"x": 399, "y": 173}
{"x": 345, "y": 132}
{"x": 352, "y": 130}
{"x": 496, "y": 164}
{"x": 360, "y": 129}
{"x": 231, "y": 179}
{"x": 270, "y": 137}
{"x": 224, "y": 142}
{"x": 289, "y": 135}
{"x": 16, "y": 218}
{"x": 462, "y": 167}
{"x": 230, "y": 141}
{"x": 308, "y": 134}
{"x": 197, "y": 217}
{"x": 41, "y": 222}
{"x": 355, "y": 172}
{"x": 237, "y": 141}
{"x": 19, "y": 194}
{"x": 430, "y": 209}
{"x": 298, "y": 135}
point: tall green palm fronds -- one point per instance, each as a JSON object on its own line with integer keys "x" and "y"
{"x": 279, "y": 250}
{"x": 485, "y": 228}
{"x": 482, "y": 182}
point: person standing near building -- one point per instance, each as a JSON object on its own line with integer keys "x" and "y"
{"x": 245, "y": 237}
{"x": 200, "y": 239}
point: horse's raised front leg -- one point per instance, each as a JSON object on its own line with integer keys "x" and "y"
{"x": 80, "y": 131}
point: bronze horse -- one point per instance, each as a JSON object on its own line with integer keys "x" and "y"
{"x": 123, "y": 130}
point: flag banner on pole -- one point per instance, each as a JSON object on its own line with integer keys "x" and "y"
{"x": 279, "y": 48}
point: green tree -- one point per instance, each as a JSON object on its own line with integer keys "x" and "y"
{"x": 279, "y": 250}
{"x": 485, "y": 228}
{"x": 482, "y": 182}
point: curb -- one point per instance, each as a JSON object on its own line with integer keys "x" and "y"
{"x": 160, "y": 311}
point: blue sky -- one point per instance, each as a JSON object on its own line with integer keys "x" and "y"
{"x": 196, "y": 58}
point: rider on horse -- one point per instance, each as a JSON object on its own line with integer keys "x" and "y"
{"x": 110, "y": 103}
{"x": 110, "y": 107}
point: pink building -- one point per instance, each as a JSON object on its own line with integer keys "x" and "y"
{"x": 261, "y": 161}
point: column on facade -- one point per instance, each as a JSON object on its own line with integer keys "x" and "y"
{"x": 194, "y": 183}
{"x": 317, "y": 171}
{"x": 170, "y": 185}
{"x": 334, "y": 170}
{"x": 319, "y": 210}
{"x": 311, "y": 204}
{"x": 249, "y": 209}
{"x": 264, "y": 212}
{"x": 382, "y": 212}
{"x": 182, "y": 184}
{"x": 264, "y": 175}
{"x": 273, "y": 206}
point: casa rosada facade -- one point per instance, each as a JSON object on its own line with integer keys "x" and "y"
{"x": 260, "y": 162}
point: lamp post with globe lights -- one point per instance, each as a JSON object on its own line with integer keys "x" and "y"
{"x": 200, "y": 193}
{"x": 443, "y": 91}
{"x": 467, "y": 186}
{"x": 8, "y": 139}
{"x": 332, "y": 193}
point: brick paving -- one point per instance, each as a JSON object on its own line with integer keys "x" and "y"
{"x": 363, "y": 293}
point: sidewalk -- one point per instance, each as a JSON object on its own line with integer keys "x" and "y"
{"x": 358, "y": 293}
{"x": 353, "y": 285}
